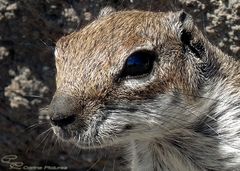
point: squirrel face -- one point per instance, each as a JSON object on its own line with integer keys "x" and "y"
{"x": 120, "y": 76}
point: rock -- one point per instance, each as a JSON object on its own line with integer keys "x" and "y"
{"x": 4, "y": 52}
{"x": 12, "y": 7}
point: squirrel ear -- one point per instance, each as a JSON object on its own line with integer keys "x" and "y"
{"x": 106, "y": 11}
{"x": 183, "y": 25}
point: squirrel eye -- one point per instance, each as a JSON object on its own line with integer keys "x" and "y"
{"x": 138, "y": 64}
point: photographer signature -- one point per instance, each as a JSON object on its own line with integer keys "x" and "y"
{"x": 11, "y": 161}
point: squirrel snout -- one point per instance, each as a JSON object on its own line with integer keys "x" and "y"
{"x": 62, "y": 108}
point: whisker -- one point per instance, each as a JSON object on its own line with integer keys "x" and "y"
{"x": 198, "y": 117}
{"x": 210, "y": 99}
{"x": 94, "y": 164}
{"x": 46, "y": 140}
{"x": 49, "y": 129}
{"x": 48, "y": 46}
{"x": 114, "y": 164}
{"x": 36, "y": 125}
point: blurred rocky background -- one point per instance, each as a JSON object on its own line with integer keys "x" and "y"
{"x": 28, "y": 32}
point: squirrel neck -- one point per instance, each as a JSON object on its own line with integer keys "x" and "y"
{"x": 158, "y": 156}
{"x": 207, "y": 144}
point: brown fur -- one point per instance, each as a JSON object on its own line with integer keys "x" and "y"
{"x": 90, "y": 61}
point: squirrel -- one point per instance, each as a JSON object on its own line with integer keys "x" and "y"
{"x": 153, "y": 81}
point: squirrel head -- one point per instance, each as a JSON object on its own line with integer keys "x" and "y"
{"x": 119, "y": 73}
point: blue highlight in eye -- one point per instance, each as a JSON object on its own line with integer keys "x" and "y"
{"x": 135, "y": 60}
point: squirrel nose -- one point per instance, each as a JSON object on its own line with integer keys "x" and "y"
{"x": 62, "y": 109}
{"x": 61, "y": 120}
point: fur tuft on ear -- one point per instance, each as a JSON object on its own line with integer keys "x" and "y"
{"x": 185, "y": 20}
{"x": 180, "y": 21}
{"x": 106, "y": 11}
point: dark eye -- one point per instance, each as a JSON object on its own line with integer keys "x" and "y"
{"x": 138, "y": 64}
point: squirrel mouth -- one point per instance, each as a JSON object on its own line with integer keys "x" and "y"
{"x": 94, "y": 137}
{"x": 63, "y": 133}
{"x": 78, "y": 139}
